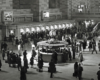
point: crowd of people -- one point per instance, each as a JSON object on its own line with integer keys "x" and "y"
{"x": 15, "y": 60}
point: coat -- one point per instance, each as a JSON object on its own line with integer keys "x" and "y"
{"x": 80, "y": 69}
{"x": 31, "y": 61}
{"x": 23, "y": 74}
{"x": 52, "y": 67}
{"x": 40, "y": 63}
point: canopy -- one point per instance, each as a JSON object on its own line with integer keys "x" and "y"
{"x": 52, "y": 44}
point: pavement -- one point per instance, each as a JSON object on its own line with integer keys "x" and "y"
{"x": 64, "y": 70}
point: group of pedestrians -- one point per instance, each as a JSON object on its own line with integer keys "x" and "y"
{"x": 78, "y": 70}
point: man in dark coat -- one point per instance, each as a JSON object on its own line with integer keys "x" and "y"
{"x": 3, "y": 53}
{"x": 52, "y": 68}
{"x": 54, "y": 56}
{"x": 23, "y": 73}
{"x": 19, "y": 63}
{"x": 80, "y": 69}
{"x": 2, "y": 45}
{"x": 75, "y": 69}
{"x": 5, "y": 46}
{"x": 40, "y": 63}
{"x": 98, "y": 74}
{"x": 25, "y": 54}
{"x": 73, "y": 50}
{"x": 26, "y": 64}
{"x": 0, "y": 64}
{"x": 33, "y": 52}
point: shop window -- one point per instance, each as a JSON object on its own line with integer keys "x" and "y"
{"x": 54, "y": 3}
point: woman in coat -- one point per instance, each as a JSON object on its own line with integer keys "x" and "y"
{"x": 32, "y": 61}
{"x": 75, "y": 69}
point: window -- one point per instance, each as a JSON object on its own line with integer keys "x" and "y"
{"x": 54, "y": 3}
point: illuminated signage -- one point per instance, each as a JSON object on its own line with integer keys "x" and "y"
{"x": 8, "y": 16}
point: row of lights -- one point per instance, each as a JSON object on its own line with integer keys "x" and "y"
{"x": 63, "y": 26}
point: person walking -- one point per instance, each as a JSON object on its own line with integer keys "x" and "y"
{"x": 3, "y": 54}
{"x": 0, "y": 64}
{"x": 81, "y": 57}
{"x": 25, "y": 54}
{"x": 69, "y": 53}
{"x": 73, "y": 50}
{"x": 98, "y": 74}
{"x": 75, "y": 69}
{"x": 90, "y": 45}
{"x": 52, "y": 68}
{"x": 26, "y": 64}
{"x": 23, "y": 74}
{"x": 32, "y": 61}
{"x": 40, "y": 64}
{"x": 80, "y": 69}
{"x": 99, "y": 45}
{"x": 19, "y": 63}
{"x": 94, "y": 47}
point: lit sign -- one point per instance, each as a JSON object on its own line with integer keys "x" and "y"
{"x": 8, "y": 16}
{"x": 45, "y": 14}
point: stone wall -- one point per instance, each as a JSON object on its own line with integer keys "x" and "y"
{"x": 21, "y": 4}
{"x": 5, "y": 4}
